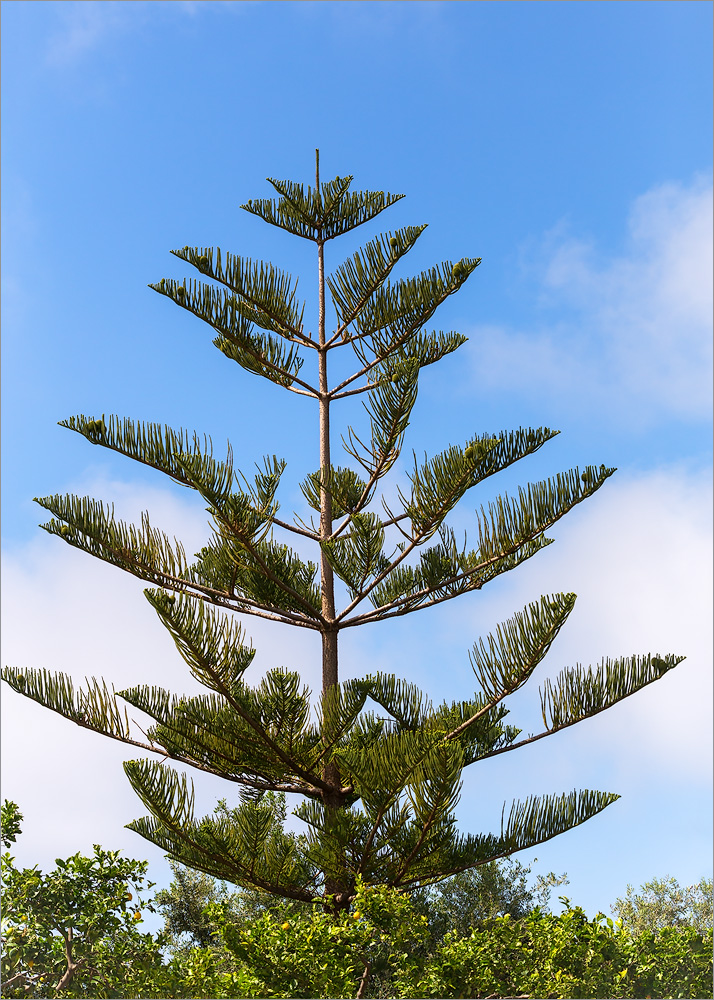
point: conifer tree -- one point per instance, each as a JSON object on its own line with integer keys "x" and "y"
{"x": 377, "y": 765}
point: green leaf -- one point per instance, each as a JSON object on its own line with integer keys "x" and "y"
{"x": 323, "y": 215}
{"x": 339, "y": 709}
{"x": 439, "y": 484}
{"x": 151, "y": 444}
{"x": 233, "y": 320}
{"x": 262, "y": 571}
{"x": 404, "y": 307}
{"x": 89, "y": 525}
{"x": 389, "y": 407}
{"x": 511, "y": 522}
{"x": 209, "y": 641}
{"x": 577, "y": 693}
{"x": 241, "y": 845}
{"x": 360, "y": 276}
{"x": 403, "y": 700}
{"x": 94, "y": 707}
{"x": 344, "y": 485}
{"x": 504, "y": 662}
{"x": 541, "y": 818}
{"x": 357, "y": 555}
{"x": 269, "y": 296}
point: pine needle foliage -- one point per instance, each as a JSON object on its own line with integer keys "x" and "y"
{"x": 378, "y": 766}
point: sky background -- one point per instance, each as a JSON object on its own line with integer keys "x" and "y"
{"x": 568, "y": 145}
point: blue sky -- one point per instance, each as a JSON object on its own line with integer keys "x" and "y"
{"x": 568, "y": 145}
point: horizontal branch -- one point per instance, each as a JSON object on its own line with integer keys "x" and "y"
{"x": 281, "y": 326}
{"x": 355, "y": 392}
{"x": 261, "y": 783}
{"x": 247, "y": 606}
{"x": 260, "y": 359}
{"x": 378, "y": 613}
{"x": 154, "y": 748}
{"x": 295, "y": 529}
{"x": 242, "y": 871}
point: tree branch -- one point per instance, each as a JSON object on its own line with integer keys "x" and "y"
{"x": 294, "y": 528}
{"x": 413, "y": 853}
{"x": 364, "y": 980}
{"x": 72, "y": 967}
{"x": 290, "y": 333}
{"x": 336, "y": 393}
{"x": 378, "y": 613}
{"x": 388, "y": 350}
{"x": 257, "y": 356}
{"x": 285, "y": 587}
{"x": 263, "y": 783}
{"x": 206, "y": 593}
{"x": 421, "y": 536}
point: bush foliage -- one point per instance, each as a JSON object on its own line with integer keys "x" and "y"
{"x": 483, "y": 934}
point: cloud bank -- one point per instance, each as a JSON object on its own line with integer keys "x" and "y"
{"x": 637, "y": 341}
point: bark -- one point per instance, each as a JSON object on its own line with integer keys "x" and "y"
{"x": 364, "y": 979}
{"x": 72, "y": 966}
{"x": 329, "y": 633}
{"x": 333, "y": 799}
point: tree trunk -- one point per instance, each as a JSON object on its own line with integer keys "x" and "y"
{"x": 72, "y": 966}
{"x": 337, "y": 892}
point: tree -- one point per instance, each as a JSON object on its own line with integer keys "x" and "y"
{"x": 377, "y": 765}
{"x": 662, "y": 902}
{"x": 182, "y": 906}
{"x": 73, "y": 931}
{"x": 462, "y": 902}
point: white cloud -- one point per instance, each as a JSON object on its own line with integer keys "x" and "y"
{"x": 639, "y": 340}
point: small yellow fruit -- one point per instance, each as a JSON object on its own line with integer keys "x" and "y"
{"x": 393, "y": 242}
{"x": 356, "y": 915}
{"x": 30, "y": 963}
{"x": 286, "y": 926}
{"x": 128, "y": 896}
{"x": 137, "y": 915}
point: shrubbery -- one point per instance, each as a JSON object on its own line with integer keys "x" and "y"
{"x": 539, "y": 955}
{"x": 449, "y": 942}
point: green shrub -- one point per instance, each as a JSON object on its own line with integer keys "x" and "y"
{"x": 320, "y": 955}
{"x": 539, "y": 955}
{"x": 543, "y": 955}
